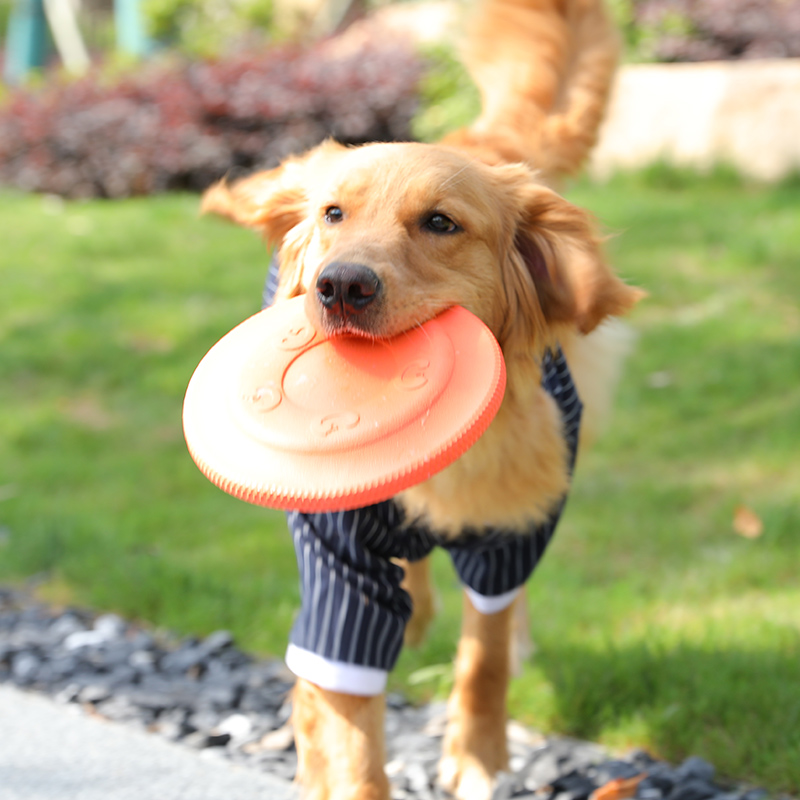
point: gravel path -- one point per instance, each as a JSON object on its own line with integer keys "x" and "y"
{"x": 208, "y": 696}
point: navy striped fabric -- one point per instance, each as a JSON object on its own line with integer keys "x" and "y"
{"x": 353, "y": 609}
{"x": 271, "y": 284}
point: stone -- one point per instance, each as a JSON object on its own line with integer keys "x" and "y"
{"x": 255, "y": 701}
{"x": 204, "y": 720}
{"x": 396, "y": 701}
{"x": 94, "y": 693}
{"x": 573, "y": 786}
{"x": 648, "y": 792}
{"x": 219, "y": 698}
{"x": 694, "y": 767}
{"x": 284, "y": 713}
{"x": 542, "y": 770}
{"x": 80, "y": 639}
{"x": 172, "y": 724}
{"x": 519, "y": 734}
{"x": 395, "y": 767}
{"x": 68, "y": 693}
{"x": 24, "y": 668}
{"x": 120, "y": 709}
{"x": 660, "y": 776}
{"x": 63, "y": 626}
{"x": 150, "y": 699}
{"x": 436, "y": 724}
{"x": 280, "y": 739}
{"x": 113, "y": 654}
{"x": 196, "y": 740}
{"x": 110, "y": 626}
{"x": 182, "y": 660}
{"x": 692, "y": 789}
{"x": 237, "y": 725}
{"x": 755, "y": 794}
{"x": 63, "y": 664}
{"x": 29, "y": 636}
{"x": 122, "y": 675}
{"x": 417, "y": 779}
{"x": 611, "y": 770}
{"x": 641, "y": 758}
{"x": 507, "y": 786}
{"x": 216, "y": 641}
{"x": 217, "y": 739}
{"x": 142, "y": 660}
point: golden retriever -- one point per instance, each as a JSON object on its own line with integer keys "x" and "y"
{"x": 383, "y": 237}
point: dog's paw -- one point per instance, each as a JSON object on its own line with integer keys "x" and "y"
{"x": 465, "y": 778}
{"x": 474, "y": 750}
{"x": 343, "y": 793}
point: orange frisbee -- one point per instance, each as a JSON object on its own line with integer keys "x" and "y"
{"x": 278, "y": 415}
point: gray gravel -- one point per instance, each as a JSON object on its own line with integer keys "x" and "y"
{"x": 220, "y": 719}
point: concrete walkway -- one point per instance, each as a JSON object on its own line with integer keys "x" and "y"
{"x": 54, "y": 752}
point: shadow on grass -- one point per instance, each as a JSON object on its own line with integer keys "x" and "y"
{"x": 738, "y": 709}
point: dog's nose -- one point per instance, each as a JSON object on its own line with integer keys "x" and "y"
{"x": 347, "y": 289}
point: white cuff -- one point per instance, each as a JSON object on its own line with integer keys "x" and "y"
{"x": 491, "y": 605}
{"x": 335, "y": 676}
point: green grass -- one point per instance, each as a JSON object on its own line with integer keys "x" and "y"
{"x": 656, "y": 624}
{"x": 105, "y": 311}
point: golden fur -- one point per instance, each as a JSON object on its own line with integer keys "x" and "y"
{"x": 520, "y": 257}
{"x": 339, "y": 739}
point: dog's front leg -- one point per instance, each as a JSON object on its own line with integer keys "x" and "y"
{"x": 340, "y": 744}
{"x": 475, "y": 740}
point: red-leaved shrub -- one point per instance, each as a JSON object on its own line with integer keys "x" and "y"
{"x": 171, "y": 127}
{"x": 706, "y": 30}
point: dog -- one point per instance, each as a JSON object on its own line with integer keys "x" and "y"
{"x": 381, "y": 238}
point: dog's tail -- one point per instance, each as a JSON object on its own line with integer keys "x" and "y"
{"x": 544, "y": 70}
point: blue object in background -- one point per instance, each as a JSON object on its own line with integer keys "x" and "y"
{"x": 28, "y": 37}
{"x": 132, "y": 37}
{"x": 26, "y": 40}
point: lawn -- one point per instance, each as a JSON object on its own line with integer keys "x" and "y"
{"x": 657, "y": 624}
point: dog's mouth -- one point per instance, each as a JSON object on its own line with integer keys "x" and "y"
{"x": 337, "y": 326}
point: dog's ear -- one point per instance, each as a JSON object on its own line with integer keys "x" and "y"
{"x": 271, "y": 202}
{"x": 557, "y": 243}
{"x": 265, "y": 201}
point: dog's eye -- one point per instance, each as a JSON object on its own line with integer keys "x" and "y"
{"x": 440, "y": 223}
{"x": 333, "y": 214}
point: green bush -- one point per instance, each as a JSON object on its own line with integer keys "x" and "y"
{"x": 208, "y": 27}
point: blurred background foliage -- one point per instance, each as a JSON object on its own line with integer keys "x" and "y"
{"x": 226, "y": 87}
{"x": 707, "y": 30}
{"x": 654, "y": 30}
{"x": 208, "y": 27}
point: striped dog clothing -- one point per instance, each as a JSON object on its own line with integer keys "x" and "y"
{"x": 349, "y": 631}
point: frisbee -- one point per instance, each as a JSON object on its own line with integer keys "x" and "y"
{"x": 279, "y": 415}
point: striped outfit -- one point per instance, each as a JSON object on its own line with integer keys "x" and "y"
{"x": 350, "y": 628}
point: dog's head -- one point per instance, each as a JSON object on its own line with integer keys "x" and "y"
{"x": 383, "y": 237}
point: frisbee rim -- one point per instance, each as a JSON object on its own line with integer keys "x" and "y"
{"x": 274, "y": 494}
